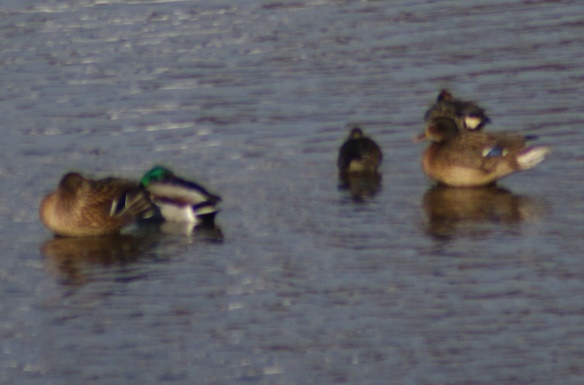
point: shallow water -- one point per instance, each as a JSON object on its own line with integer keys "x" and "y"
{"x": 303, "y": 282}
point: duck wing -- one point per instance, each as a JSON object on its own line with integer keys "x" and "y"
{"x": 484, "y": 151}
{"x": 182, "y": 192}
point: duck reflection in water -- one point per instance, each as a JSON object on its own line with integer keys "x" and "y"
{"x": 458, "y": 211}
{"x": 358, "y": 163}
{"x": 361, "y": 186}
{"x": 206, "y": 229}
{"x": 72, "y": 259}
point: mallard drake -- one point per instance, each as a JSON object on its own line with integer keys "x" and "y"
{"x": 85, "y": 207}
{"x": 179, "y": 200}
{"x": 359, "y": 154}
{"x": 475, "y": 159}
{"x": 467, "y": 115}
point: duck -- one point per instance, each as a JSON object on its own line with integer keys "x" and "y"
{"x": 475, "y": 159}
{"x": 177, "y": 199}
{"x": 359, "y": 154}
{"x": 467, "y": 115}
{"x": 84, "y": 207}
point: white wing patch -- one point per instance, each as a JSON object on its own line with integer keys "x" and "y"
{"x": 177, "y": 214}
{"x": 472, "y": 122}
{"x": 533, "y": 156}
{"x": 178, "y": 193}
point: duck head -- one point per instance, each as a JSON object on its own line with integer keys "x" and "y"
{"x": 156, "y": 174}
{"x": 438, "y": 130}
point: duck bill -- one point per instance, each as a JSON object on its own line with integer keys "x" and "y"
{"x": 419, "y": 138}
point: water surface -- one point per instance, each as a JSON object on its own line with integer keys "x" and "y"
{"x": 303, "y": 282}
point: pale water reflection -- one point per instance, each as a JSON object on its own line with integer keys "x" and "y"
{"x": 208, "y": 232}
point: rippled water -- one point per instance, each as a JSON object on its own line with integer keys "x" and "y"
{"x": 303, "y": 282}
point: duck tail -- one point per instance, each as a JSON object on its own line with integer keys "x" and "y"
{"x": 205, "y": 213}
{"x": 532, "y": 156}
{"x": 205, "y": 208}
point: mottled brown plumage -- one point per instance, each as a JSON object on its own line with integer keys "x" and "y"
{"x": 473, "y": 159}
{"x": 467, "y": 115}
{"x": 359, "y": 154}
{"x": 86, "y": 207}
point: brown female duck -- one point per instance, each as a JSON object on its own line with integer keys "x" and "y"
{"x": 473, "y": 159}
{"x": 86, "y": 207}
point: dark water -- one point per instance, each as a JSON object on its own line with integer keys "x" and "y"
{"x": 409, "y": 284}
